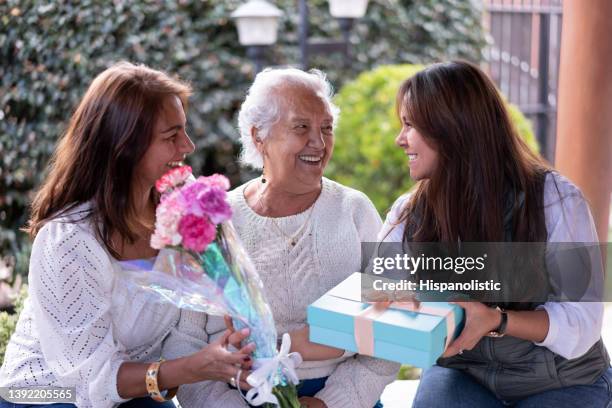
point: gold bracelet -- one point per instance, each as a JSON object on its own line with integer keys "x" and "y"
{"x": 153, "y": 387}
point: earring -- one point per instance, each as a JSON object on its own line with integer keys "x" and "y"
{"x": 263, "y": 176}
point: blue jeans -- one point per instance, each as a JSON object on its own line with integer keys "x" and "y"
{"x": 145, "y": 402}
{"x": 447, "y": 387}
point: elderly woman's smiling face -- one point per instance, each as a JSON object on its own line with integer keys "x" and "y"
{"x": 300, "y": 144}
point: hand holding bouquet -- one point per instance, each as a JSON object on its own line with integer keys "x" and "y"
{"x": 202, "y": 266}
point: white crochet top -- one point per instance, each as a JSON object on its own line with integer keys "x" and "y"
{"x": 80, "y": 321}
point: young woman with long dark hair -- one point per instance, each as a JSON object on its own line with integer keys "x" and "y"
{"x": 479, "y": 182}
{"x": 95, "y": 212}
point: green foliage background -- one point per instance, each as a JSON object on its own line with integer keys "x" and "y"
{"x": 365, "y": 154}
{"x": 51, "y": 50}
{"x": 8, "y": 322}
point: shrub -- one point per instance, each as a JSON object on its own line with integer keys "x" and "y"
{"x": 365, "y": 155}
{"x": 8, "y": 322}
{"x": 50, "y": 52}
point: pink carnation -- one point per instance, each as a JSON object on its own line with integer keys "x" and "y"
{"x": 201, "y": 199}
{"x": 213, "y": 202}
{"x": 189, "y": 196}
{"x": 173, "y": 179}
{"x": 167, "y": 217}
{"x": 189, "y": 211}
{"x": 216, "y": 180}
{"x": 197, "y": 232}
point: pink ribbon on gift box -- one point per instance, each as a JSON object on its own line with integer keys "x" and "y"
{"x": 364, "y": 322}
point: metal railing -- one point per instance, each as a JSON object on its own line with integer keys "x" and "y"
{"x": 523, "y": 59}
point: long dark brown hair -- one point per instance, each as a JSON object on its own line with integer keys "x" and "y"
{"x": 460, "y": 114}
{"x": 95, "y": 159}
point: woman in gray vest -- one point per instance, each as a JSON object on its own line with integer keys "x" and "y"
{"x": 479, "y": 182}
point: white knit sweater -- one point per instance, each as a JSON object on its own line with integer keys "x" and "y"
{"x": 80, "y": 321}
{"x": 327, "y": 250}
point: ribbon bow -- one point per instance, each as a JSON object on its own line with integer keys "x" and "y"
{"x": 364, "y": 322}
{"x": 264, "y": 378}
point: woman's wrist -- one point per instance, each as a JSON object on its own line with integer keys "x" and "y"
{"x": 131, "y": 377}
{"x": 189, "y": 369}
{"x": 156, "y": 385}
{"x": 496, "y": 318}
{"x": 300, "y": 343}
{"x": 171, "y": 374}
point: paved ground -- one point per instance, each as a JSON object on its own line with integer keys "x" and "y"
{"x": 400, "y": 394}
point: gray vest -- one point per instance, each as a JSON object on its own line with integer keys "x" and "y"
{"x": 514, "y": 368}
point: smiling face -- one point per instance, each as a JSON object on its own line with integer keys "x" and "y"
{"x": 169, "y": 146}
{"x": 422, "y": 158}
{"x": 300, "y": 144}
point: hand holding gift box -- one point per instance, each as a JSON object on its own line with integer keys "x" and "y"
{"x": 399, "y": 331}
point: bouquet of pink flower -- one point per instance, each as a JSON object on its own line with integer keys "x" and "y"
{"x": 202, "y": 266}
{"x": 189, "y": 213}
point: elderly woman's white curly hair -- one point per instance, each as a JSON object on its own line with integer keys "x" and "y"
{"x": 261, "y": 108}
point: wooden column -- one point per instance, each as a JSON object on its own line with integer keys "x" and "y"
{"x": 584, "y": 132}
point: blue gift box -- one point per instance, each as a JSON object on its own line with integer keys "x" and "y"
{"x": 409, "y": 337}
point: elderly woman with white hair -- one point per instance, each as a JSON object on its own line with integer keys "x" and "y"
{"x": 302, "y": 231}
